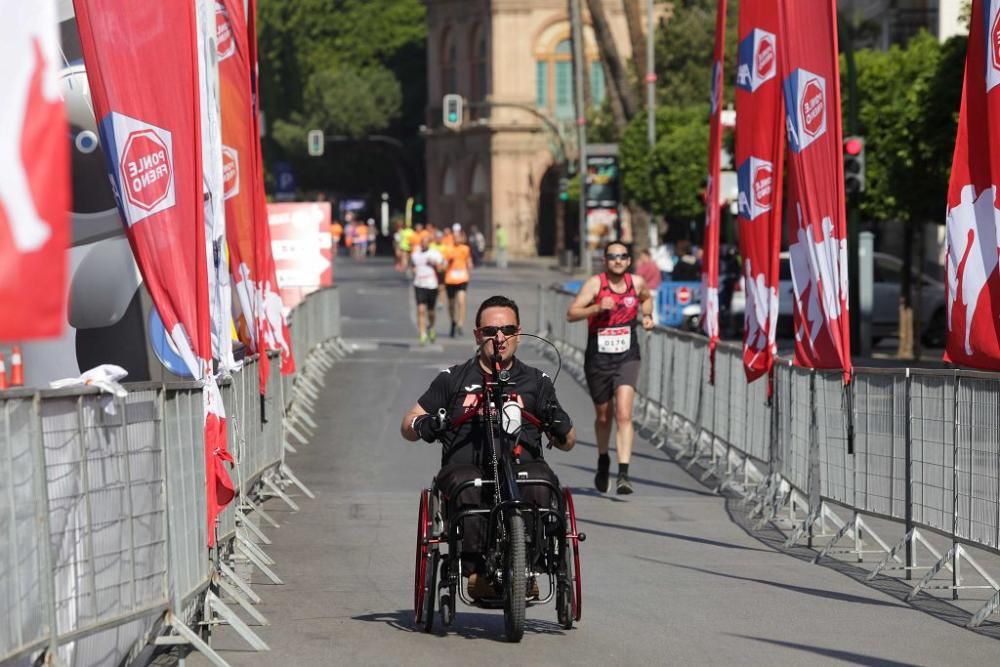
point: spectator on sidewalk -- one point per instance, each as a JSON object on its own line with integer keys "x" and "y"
{"x": 500, "y": 241}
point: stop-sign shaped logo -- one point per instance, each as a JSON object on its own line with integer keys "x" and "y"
{"x": 683, "y": 295}
{"x": 813, "y": 107}
{"x": 230, "y": 172}
{"x": 762, "y": 186}
{"x": 145, "y": 170}
{"x": 225, "y": 45}
{"x": 765, "y": 58}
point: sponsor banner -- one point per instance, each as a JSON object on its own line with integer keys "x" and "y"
{"x": 34, "y": 175}
{"x": 152, "y": 136}
{"x": 713, "y": 212}
{"x": 760, "y": 146}
{"x": 973, "y": 219}
{"x": 816, "y": 215}
{"x": 301, "y": 245}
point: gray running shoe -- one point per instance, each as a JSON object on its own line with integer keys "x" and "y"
{"x": 624, "y": 485}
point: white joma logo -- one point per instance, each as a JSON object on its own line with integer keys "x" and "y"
{"x": 473, "y": 387}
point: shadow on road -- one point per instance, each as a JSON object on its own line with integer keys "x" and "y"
{"x": 469, "y": 625}
{"x": 846, "y": 656}
{"x": 675, "y": 536}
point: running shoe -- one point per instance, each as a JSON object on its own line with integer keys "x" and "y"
{"x": 452, "y": 329}
{"x": 624, "y": 485}
{"x": 601, "y": 478}
{"x": 432, "y": 335}
{"x": 423, "y": 339}
{"x": 459, "y": 331}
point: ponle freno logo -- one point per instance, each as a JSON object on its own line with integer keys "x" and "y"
{"x": 762, "y": 185}
{"x": 225, "y": 45}
{"x": 805, "y": 108}
{"x": 756, "y": 60}
{"x": 230, "y": 172}
{"x": 144, "y": 173}
{"x": 756, "y": 185}
{"x": 991, "y": 33}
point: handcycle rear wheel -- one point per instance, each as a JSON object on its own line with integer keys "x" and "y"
{"x": 573, "y": 564}
{"x": 515, "y": 579}
{"x": 425, "y": 569}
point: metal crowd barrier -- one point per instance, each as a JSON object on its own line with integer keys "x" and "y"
{"x": 103, "y": 535}
{"x": 915, "y": 446}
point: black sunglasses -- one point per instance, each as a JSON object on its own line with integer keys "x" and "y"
{"x": 506, "y": 330}
{"x": 613, "y": 256}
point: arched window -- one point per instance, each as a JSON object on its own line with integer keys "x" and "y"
{"x": 449, "y": 60}
{"x": 478, "y": 186}
{"x": 554, "y": 81}
{"x": 478, "y": 61}
{"x": 449, "y": 184}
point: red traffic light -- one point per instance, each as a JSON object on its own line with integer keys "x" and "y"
{"x": 854, "y": 145}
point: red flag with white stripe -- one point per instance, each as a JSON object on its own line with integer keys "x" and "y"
{"x": 34, "y": 175}
{"x": 973, "y": 304}
{"x": 760, "y": 145}
{"x": 710, "y": 262}
{"x": 152, "y": 139}
{"x": 817, "y": 219}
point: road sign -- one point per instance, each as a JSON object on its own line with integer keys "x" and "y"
{"x": 316, "y": 143}
{"x": 683, "y": 295}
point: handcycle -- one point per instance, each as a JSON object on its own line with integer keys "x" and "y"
{"x": 523, "y": 540}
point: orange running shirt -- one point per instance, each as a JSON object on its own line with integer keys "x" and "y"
{"x": 459, "y": 257}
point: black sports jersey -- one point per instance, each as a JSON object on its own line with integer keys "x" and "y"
{"x": 460, "y": 388}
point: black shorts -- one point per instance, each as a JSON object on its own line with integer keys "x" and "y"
{"x": 452, "y": 290}
{"x": 602, "y": 381}
{"x": 426, "y": 296}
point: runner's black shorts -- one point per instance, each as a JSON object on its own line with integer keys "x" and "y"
{"x": 452, "y": 290}
{"x": 602, "y": 381}
{"x": 426, "y": 296}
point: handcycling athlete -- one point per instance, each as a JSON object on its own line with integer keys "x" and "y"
{"x": 466, "y": 453}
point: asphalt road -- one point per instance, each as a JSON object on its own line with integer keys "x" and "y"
{"x": 668, "y": 577}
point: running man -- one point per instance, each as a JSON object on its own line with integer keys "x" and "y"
{"x": 425, "y": 261}
{"x": 456, "y": 280}
{"x": 611, "y": 302}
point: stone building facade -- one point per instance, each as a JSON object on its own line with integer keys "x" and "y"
{"x": 501, "y": 167}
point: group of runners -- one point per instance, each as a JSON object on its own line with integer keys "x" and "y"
{"x": 441, "y": 260}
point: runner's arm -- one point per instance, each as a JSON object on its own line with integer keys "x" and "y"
{"x": 406, "y": 429}
{"x": 646, "y": 304}
{"x": 584, "y": 305}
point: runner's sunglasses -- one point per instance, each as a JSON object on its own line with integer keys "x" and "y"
{"x": 613, "y": 256}
{"x": 507, "y": 330}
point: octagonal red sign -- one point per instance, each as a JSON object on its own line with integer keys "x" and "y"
{"x": 812, "y": 104}
{"x": 995, "y": 42}
{"x": 683, "y": 295}
{"x": 230, "y": 172}
{"x": 145, "y": 169}
{"x": 762, "y": 186}
{"x": 765, "y": 57}
{"x": 225, "y": 45}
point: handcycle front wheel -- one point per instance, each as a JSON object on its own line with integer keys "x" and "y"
{"x": 573, "y": 564}
{"x": 515, "y": 579}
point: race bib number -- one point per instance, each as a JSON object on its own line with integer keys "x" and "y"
{"x": 611, "y": 340}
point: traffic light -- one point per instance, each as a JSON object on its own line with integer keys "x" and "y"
{"x": 854, "y": 164}
{"x": 452, "y": 111}
{"x": 418, "y": 207}
{"x": 563, "y": 189}
{"x": 316, "y": 141}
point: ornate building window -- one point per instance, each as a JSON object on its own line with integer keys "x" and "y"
{"x": 449, "y": 63}
{"x": 554, "y": 81}
{"x": 478, "y": 61}
{"x": 449, "y": 184}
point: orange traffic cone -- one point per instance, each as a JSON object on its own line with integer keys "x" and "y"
{"x": 3, "y": 373}
{"x": 16, "y": 367}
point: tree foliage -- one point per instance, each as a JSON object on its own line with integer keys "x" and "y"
{"x": 684, "y": 45}
{"x": 343, "y": 66}
{"x": 669, "y": 178}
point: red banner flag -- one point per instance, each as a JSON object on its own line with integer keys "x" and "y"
{"x": 973, "y": 219}
{"x": 710, "y": 261}
{"x": 247, "y": 260}
{"x": 760, "y": 145}
{"x": 152, "y": 139}
{"x": 34, "y": 175}
{"x": 279, "y": 337}
{"x": 817, "y": 227}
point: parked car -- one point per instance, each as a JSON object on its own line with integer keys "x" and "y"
{"x": 888, "y": 271}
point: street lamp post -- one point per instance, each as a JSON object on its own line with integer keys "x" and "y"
{"x": 581, "y": 122}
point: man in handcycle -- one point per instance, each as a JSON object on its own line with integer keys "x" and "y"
{"x": 466, "y": 453}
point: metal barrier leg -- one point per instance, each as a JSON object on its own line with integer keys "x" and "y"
{"x": 235, "y": 594}
{"x": 287, "y": 472}
{"x": 244, "y": 522}
{"x": 276, "y": 491}
{"x": 294, "y": 432}
{"x": 237, "y": 623}
{"x": 249, "y": 504}
{"x": 235, "y": 579}
{"x": 189, "y": 636}
{"x": 985, "y": 611}
{"x": 261, "y": 565}
{"x": 250, "y": 546}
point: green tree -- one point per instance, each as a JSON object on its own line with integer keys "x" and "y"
{"x": 684, "y": 45}
{"x": 670, "y": 178}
